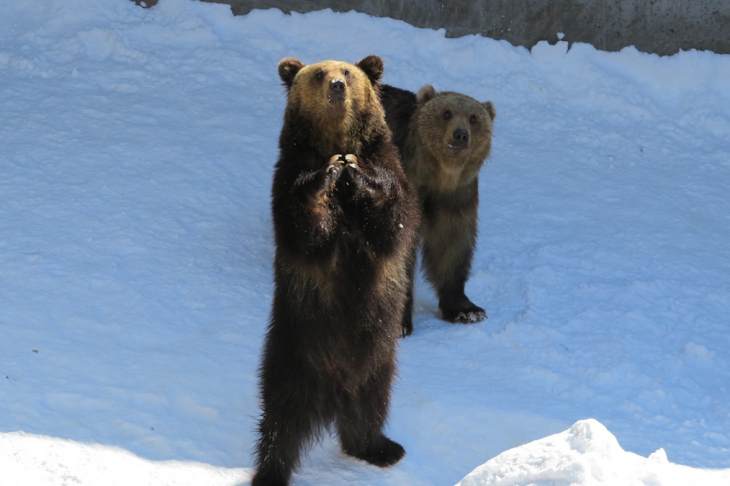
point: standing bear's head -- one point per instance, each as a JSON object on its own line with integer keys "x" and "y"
{"x": 337, "y": 99}
{"x": 456, "y": 129}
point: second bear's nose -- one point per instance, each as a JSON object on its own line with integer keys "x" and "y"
{"x": 337, "y": 85}
{"x": 461, "y": 136}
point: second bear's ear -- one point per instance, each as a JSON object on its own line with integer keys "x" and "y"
{"x": 373, "y": 67}
{"x": 425, "y": 93}
{"x": 288, "y": 68}
{"x": 490, "y": 109}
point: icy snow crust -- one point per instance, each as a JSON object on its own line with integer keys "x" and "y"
{"x": 136, "y": 151}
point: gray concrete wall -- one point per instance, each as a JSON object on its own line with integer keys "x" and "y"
{"x": 659, "y": 26}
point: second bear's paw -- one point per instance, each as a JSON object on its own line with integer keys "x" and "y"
{"x": 465, "y": 315}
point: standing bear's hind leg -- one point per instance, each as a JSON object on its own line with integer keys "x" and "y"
{"x": 292, "y": 416}
{"x": 361, "y": 418}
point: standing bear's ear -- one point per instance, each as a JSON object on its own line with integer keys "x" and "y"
{"x": 373, "y": 67}
{"x": 490, "y": 109}
{"x": 288, "y": 68}
{"x": 424, "y": 94}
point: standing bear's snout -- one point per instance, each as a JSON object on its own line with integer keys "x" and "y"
{"x": 337, "y": 90}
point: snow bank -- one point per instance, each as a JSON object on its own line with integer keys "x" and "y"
{"x": 587, "y": 454}
{"x": 34, "y": 460}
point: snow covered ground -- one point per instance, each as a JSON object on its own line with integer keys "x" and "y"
{"x": 136, "y": 150}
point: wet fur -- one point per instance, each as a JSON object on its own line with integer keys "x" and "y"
{"x": 343, "y": 237}
{"x": 447, "y": 186}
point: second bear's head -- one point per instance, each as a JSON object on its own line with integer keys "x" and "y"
{"x": 456, "y": 128}
{"x": 332, "y": 91}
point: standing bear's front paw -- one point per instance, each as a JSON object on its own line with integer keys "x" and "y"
{"x": 358, "y": 182}
{"x": 351, "y": 177}
{"x": 333, "y": 170}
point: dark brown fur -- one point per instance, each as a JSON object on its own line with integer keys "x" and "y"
{"x": 344, "y": 223}
{"x": 446, "y": 179}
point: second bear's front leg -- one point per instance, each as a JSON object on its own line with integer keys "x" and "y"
{"x": 448, "y": 247}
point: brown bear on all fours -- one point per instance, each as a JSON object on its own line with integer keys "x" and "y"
{"x": 344, "y": 223}
{"x": 444, "y": 139}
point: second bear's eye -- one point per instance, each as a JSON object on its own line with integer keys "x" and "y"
{"x": 473, "y": 119}
{"x": 319, "y": 75}
{"x": 347, "y": 73}
{"x": 447, "y": 115}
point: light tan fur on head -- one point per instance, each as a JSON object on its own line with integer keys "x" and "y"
{"x": 310, "y": 95}
{"x": 440, "y": 114}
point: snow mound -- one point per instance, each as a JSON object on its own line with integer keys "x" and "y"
{"x": 36, "y": 460}
{"x": 586, "y": 454}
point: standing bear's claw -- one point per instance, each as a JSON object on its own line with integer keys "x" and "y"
{"x": 335, "y": 163}
{"x": 351, "y": 160}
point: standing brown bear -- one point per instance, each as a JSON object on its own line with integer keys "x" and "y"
{"x": 344, "y": 225}
{"x": 444, "y": 139}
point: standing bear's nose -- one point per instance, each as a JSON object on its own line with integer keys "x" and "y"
{"x": 461, "y": 136}
{"x": 337, "y": 85}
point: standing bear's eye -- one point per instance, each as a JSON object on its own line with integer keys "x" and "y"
{"x": 473, "y": 119}
{"x": 447, "y": 115}
{"x": 347, "y": 73}
{"x": 319, "y": 75}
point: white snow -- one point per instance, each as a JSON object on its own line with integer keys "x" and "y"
{"x": 587, "y": 454}
{"x": 136, "y": 149}
{"x": 37, "y": 460}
